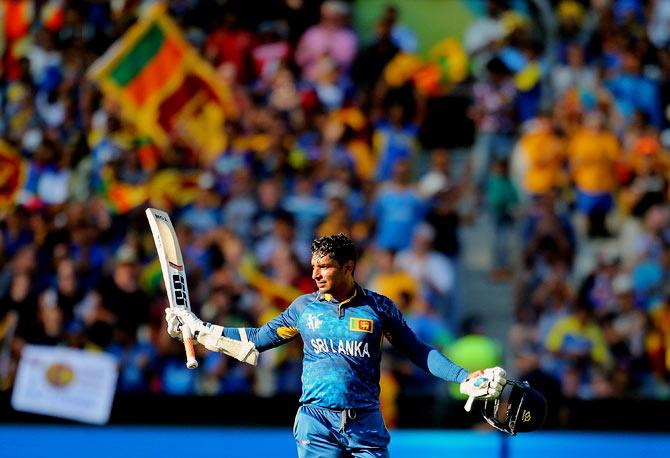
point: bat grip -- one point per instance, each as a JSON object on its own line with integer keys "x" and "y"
{"x": 187, "y": 337}
{"x": 468, "y": 403}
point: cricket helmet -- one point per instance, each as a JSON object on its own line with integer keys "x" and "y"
{"x": 518, "y": 409}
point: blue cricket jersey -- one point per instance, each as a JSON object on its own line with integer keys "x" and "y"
{"x": 342, "y": 346}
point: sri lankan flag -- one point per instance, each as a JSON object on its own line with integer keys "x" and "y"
{"x": 167, "y": 188}
{"x": 12, "y": 174}
{"x": 164, "y": 87}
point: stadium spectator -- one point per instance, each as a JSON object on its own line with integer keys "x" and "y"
{"x": 397, "y": 209}
{"x": 390, "y": 280}
{"x": 123, "y": 305}
{"x": 494, "y": 114}
{"x": 502, "y": 199}
{"x": 330, "y": 40}
{"x": 593, "y": 152}
{"x": 432, "y": 271}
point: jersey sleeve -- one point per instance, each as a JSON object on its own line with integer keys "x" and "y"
{"x": 278, "y": 331}
{"x": 401, "y": 336}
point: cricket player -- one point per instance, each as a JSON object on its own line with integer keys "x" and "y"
{"x": 342, "y": 326}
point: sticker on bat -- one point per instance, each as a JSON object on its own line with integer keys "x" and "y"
{"x": 180, "y": 294}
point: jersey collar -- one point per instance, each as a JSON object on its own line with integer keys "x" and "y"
{"x": 358, "y": 292}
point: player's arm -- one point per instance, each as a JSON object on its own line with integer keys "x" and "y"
{"x": 243, "y": 344}
{"x": 483, "y": 384}
{"x": 276, "y": 332}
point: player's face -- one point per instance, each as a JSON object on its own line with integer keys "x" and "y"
{"x": 329, "y": 276}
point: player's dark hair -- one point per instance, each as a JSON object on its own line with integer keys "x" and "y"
{"x": 339, "y": 247}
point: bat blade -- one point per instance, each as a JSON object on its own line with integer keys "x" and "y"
{"x": 174, "y": 273}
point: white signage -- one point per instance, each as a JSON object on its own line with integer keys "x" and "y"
{"x": 65, "y": 382}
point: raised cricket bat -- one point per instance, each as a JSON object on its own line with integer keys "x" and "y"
{"x": 174, "y": 275}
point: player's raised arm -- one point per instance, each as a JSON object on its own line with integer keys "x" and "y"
{"x": 243, "y": 344}
{"x": 483, "y": 384}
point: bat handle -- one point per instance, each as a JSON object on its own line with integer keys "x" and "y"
{"x": 191, "y": 362}
{"x": 468, "y": 403}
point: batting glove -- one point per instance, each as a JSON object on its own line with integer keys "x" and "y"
{"x": 177, "y": 317}
{"x": 484, "y": 384}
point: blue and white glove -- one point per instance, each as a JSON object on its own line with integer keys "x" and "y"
{"x": 483, "y": 384}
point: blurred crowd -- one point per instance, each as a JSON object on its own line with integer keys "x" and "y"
{"x": 555, "y": 134}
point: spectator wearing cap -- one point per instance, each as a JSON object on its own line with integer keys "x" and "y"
{"x": 123, "y": 305}
{"x": 330, "y": 39}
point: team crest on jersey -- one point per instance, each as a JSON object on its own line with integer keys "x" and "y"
{"x": 313, "y": 321}
{"x": 360, "y": 325}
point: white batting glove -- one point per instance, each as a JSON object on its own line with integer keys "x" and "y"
{"x": 176, "y": 317}
{"x": 202, "y": 332}
{"x": 173, "y": 323}
{"x": 483, "y": 384}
